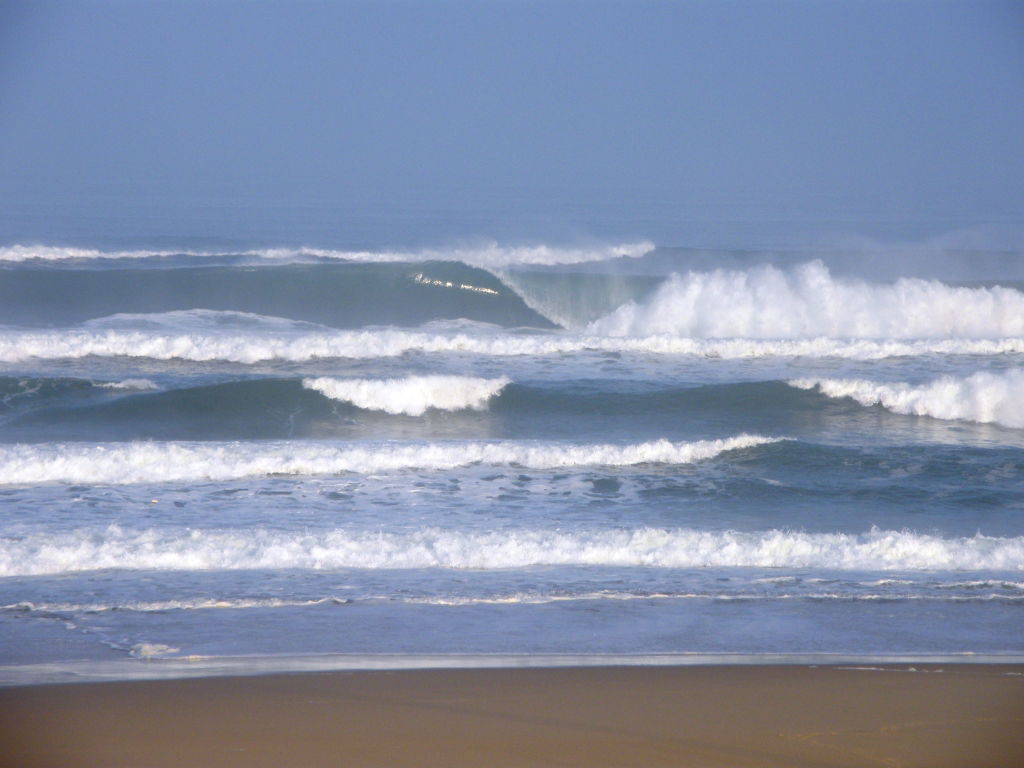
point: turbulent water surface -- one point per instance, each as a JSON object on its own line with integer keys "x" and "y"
{"x": 533, "y": 450}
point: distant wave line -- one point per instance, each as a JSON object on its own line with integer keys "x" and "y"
{"x": 484, "y": 255}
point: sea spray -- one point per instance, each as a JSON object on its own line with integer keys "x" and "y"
{"x": 807, "y": 301}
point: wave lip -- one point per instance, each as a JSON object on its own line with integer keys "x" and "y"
{"x": 987, "y": 398}
{"x": 156, "y": 462}
{"x": 807, "y": 302}
{"x": 412, "y": 395}
{"x": 175, "y": 550}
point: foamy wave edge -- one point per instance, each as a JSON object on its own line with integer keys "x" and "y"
{"x": 117, "y": 548}
{"x": 804, "y": 301}
{"x": 157, "y": 462}
{"x": 987, "y": 398}
{"x": 412, "y": 395}
{"x": 18, "y": 346}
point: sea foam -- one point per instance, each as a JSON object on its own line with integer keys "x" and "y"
{"x": 412, "y": 395}
{"x": 155, "y": 462}
{"x": 129, "y": 384}
{"x": 254, "y": 347}
{"x": 807, "y": 302}
{"x": 194, "y": 549}
{"x": 996, "y": 398}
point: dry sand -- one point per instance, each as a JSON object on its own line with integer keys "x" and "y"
{"x": 642, "y": 717}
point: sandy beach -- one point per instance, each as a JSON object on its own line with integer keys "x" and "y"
{"x": 921, "y": 715}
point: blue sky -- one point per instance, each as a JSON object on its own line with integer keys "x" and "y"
{"x": 858, "y": 109}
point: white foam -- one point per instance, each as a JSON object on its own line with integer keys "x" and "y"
{"x": 808, "y": 302}
{"x": 489, "y": 255}
{"x": 989, "y": 398}
{"x": 195, "y": 549}
{"x": 152, "y": 650}
{"x": 18, "y": 253}
{"x": 133, "y": 384}
{"x": 412, "y": 395}
{"x": 254, "y": 347}
{"x": 155, "y": 462}
{"x": 983, "y": 584}
{"x": 539, "y": 597}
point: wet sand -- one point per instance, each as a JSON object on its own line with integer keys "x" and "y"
{"x": 778, "y": 716}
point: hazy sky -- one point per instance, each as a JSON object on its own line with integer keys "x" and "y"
{"x": 877, "y": 108}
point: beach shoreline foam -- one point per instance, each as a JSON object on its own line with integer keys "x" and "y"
{"x": 158, "y": 663}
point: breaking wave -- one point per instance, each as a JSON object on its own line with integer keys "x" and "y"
{"x": 156, "y": 462}
{"x": 988, "y": 398}
{"x": 808, "y": 302}
{"x": 154, "y": 549}
{"x": 17, "y": 346}
{"x": 412, "y": 395}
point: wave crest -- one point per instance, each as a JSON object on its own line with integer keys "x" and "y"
{"x": 249, "y": 348}
{"x": 155, "y": 549}
{"x": 487, "y": 255}
{"x": 156, "y": 462}
{"x": 412, "y": 395}
{"x": 808, "y": 302}
{"x": 988, "y": 398}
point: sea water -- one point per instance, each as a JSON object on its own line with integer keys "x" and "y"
{"x": 624, "y": 448}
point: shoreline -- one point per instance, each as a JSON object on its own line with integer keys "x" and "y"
{"x": 135, "y": 669}
{"x": 702, "y": 715}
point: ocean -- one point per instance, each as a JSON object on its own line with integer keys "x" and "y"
{"x": 626, "y": 448}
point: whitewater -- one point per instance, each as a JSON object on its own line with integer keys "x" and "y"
{"x": 142, "y": 462}
{"x": 506, "y": 448}
{"x": 983, "y": 397}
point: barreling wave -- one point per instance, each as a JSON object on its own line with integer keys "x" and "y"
{"x": 808, "y": 302}
{"x": 249, "y": 348}
{"x": 332, "y": 295}
{"x": 156, "y": 462}
{"x": 488, "y": 255}
{"x": 192, "y": 549}
{"x": 988, "y": 398}
{"x": 411, "y": 395}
